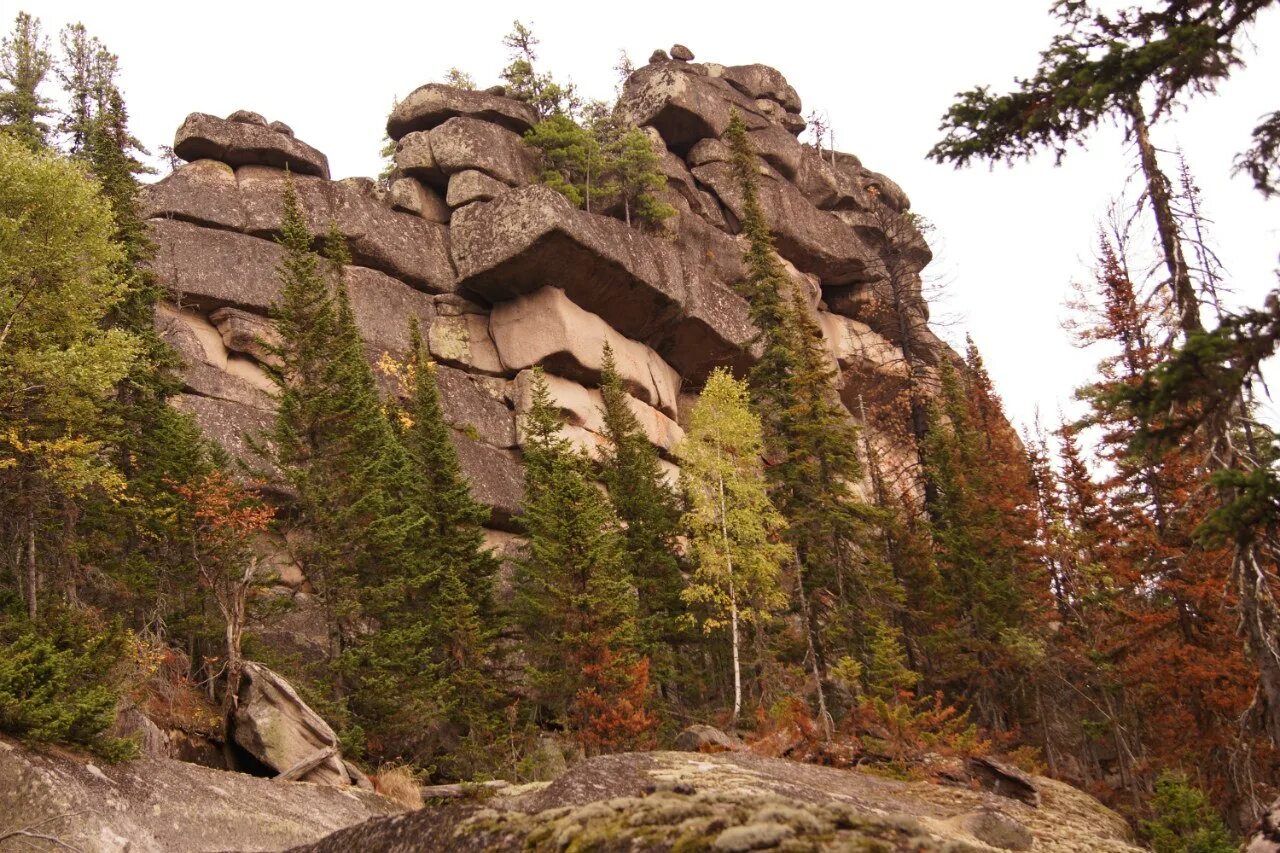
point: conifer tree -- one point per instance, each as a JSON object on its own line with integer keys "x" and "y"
{"x": 24, "y": 63}
{"x": 650, "y": 512}
{"x": 575, "y": 601}
{"x": 434, "y": 612}
{"x": 810, "y": 440}
{"x": 635, "y": 173}
{"x": 537, "y": 88}
{"x": 733, "y": 527}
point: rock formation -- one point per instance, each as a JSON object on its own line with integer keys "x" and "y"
{"x": 504, "y": 274}
{"x": 739, "y": 802}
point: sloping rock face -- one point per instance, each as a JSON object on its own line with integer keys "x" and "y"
{"x": 739, "y": 802}
{"x": 166, "y": 806}
{"x": 503, "y": 274}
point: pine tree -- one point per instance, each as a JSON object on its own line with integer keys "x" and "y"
{"x": 572, "y": 160}
{"x": 24, "y": 63}
{"x": 525, "y": 83}
{"x": 650, "y": 512}
{"x": 733, "y": 527}
{"x": 575, "y": 601}
{"x": 634, "y": 168}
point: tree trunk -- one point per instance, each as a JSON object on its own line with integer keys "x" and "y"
{"x": 33, "y": 580}
{"x": 1185, "y": 298}
{"x": 733, "y": 607}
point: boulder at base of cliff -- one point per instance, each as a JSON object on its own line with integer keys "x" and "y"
{"x": 278, "y": 729}
{"x": 165, "y": 806}
{"x": 660, "y": 801}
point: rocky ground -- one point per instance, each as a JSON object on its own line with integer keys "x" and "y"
{"x": 737, "y": 802}
{"x": 636, "y": 802}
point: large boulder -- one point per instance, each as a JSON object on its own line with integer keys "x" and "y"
{"x": 460, "y": 336}
{"x": 384, "y": 308}
{"x": 433, "y": 104}
{"x": 547, "y": 328}
{"x": 736, "y": 801}
{"x": 165, "y": 806}
{"x": 274, "y": 725}
{"x": 814, "y": 240}
{"x": 409, "y": 195}
{"x": 240, "y": 143}
{"x": 467, "y": 143}
{"x": 762, "y": 81}
{"x": 683, "y": 104}
{"x": 531, "y": 237}
{"x": 204, "y": 192}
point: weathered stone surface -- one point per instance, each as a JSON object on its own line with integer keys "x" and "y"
{"x": 711, "y": 150}
{"x": 583, "y": 407}
{"x": 407, "y": 247}
{"x": 814, "y": 240}
{"x": 464, "y": 339}
{"x": 733, "y": 801}
{"x": 248, "y": 117}
{"x": 532, "y": 237}
{"x": 215, "y": 267}
{"x": 204, "y": 192}
{"x": 167, "y": 806}
{"x": 779, "y": 149}
{"x": 472, "y": 406}
{"x": 680, "y": 181}
{"x": 548, "y": 328}
{"x": 467, "y": 143}
{"x": 208, "y": 369}
{"x": 683, "y": 105}
{"x": 383, "y": 308}
{"x": 1266, "y": 835}
{"x": 236, "y": 143}
{"x": 276, "y": 727}
{"x": 681, "y": 53}
{"x": 433, "y": 104}
{"x": 658, "y": 55}
{"x": 701, "y": 738}
{"x": 466, "y": 187}
{"x": 887, "y": 190}
{"x": 248, "y": 333}
{"x": 228, "y": 424}
{"x": 413, "y": 157}
{"x": 496, "y": 478}
{"x": 300, "y": 632}
{"x": 409, "y": 195}
{"x": 763, "y": 81}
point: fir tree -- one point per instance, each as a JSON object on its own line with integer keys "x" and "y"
{"x": 24, "y": 63}
{"x": 637, "y": 179}
{"x": 575, "y": 602}
{"x": 650, "y": 512}
{"x": 733, "y": 527}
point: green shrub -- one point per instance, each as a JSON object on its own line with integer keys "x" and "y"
{"x": 61, "y": 679}
{"x": 1183, "y": 820}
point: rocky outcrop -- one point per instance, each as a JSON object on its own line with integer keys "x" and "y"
{"x": 165, "y": 806}
{"x": 740, "y": 802}
{"x": 432, "y": 105}
{"x": 502, "y": 274}
{"x": 246, "y": 138}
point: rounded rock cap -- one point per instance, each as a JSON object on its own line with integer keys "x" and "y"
{"x": 682, "y": 53}
{"x": 657, "y": 56}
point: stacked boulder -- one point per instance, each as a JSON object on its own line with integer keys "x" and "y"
{"x": 504, "y": 274}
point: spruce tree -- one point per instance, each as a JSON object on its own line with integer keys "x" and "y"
{"x": 811, "y": 442}
{"x": 650, "y": 512}
{"x": 637, "y": 178}
{"x": 575, "y": 601}
{"x": 24, "y": 63}
{"x": 733, "y": 527}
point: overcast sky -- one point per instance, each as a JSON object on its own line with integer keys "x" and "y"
{"x": 1009, "y": 241}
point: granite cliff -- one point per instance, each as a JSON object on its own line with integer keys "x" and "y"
{"x": 504, "y": 274}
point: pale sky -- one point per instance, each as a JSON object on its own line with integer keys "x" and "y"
{"x": 1008, "y": 241}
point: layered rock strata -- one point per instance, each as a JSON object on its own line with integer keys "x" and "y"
{"x": 503, "y": 274}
